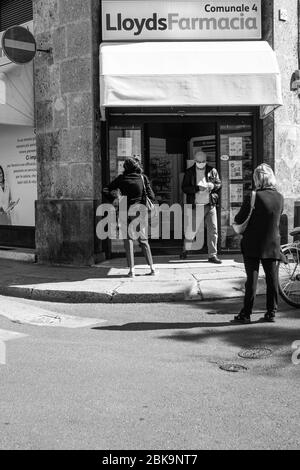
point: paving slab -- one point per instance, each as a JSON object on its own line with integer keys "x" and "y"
{"x": 154, "y": 291}
{"x": 201, "y": 275}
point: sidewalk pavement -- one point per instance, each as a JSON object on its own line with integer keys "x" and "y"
{"x": 177, "y": 280}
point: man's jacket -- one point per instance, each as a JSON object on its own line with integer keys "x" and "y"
{"x": 190, "y": 187}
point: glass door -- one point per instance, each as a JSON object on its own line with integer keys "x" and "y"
{"x": 171, "y": 149}
{"x": 123, "y": 141}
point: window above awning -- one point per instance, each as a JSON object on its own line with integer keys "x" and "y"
{"x": 16, "y": 94}
{"x": 164, "y": 74}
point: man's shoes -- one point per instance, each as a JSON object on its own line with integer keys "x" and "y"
{"x": 183, "y": 255}
{"x": 241, "y": 318}
{"x": 268, "y": 318}
{"x": 215, "y": 260}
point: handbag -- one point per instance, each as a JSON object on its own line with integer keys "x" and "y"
{"x": 240, "y": 228}
{"x": 146, "y": 200}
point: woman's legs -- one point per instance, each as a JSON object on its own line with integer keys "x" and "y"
{"x": 129, "y": 249}
{"x": 128, "y": 245}
{"x": 144, "y": 244}
{"x": 142, "y": 239}
{"x": 271, "y": 272}
{"x": 251, "y": 268}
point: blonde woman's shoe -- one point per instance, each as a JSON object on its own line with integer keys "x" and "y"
{"x": 153, "y": 272}
{"x": 131, "y": 274}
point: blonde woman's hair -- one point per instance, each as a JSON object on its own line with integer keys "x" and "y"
{"x": 264, "y": 177}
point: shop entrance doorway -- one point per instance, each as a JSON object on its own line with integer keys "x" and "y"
{"x": 166, "y": 148}
{"x": 170, "y": 149}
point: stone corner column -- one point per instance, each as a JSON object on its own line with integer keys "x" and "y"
{"x": 68, "y": 130}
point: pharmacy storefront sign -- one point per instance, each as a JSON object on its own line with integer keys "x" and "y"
{"x": 139, "y": 20}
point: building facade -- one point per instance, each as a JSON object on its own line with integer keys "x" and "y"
{"x": 134, "y": 78}
{"x": 18, "y": 173}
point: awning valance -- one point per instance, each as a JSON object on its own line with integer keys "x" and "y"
{"x": 16, "y": 94}
{"x": 189, "y": 74}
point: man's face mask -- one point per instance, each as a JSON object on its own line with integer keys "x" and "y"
{"x": 201, "y": 166}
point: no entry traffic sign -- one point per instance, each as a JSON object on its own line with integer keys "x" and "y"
{"x": 18, "y": 44}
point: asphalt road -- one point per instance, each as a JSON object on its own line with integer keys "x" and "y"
{"x": 146, "y": 377}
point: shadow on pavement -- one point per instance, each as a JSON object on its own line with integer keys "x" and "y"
{"x": 143, "y": 326}
{"x": 244, "y": 336}
{"x": 233, "y": 306}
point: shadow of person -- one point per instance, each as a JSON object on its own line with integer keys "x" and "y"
{"x": 144, "y": 326}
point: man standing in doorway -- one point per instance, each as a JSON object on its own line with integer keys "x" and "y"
{"x": 201, "y": 184}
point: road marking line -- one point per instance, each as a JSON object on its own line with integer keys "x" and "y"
{"x": 2, "y": 353}
{"x": 7, "y": 335}
{"x": 29, "y": 314}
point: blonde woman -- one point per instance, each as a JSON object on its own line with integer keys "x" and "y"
{"x": 261, "y": 242}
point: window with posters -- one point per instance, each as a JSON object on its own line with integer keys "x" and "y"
{"x": 18, "y": 168}
{"x": 236, "y": 167}
{"x": 18, "y": 176}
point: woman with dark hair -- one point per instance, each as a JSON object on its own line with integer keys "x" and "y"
{"x": 134, "y": 184}
{"x": 261, "y": 242}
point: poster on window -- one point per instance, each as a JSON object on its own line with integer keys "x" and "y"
{"x": 124, "y": 147}
{"x": 18, "y": 176}
{"x": 235, "y": 146}
{"x": 236, "y": 193}
{"x": 236, "y": 170}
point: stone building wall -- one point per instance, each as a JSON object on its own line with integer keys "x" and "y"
{"x": 281, "y": 131}
{"x": 267, "y": 125}
{"x": 67, "y": 122}
{"x": 287, "y": 118}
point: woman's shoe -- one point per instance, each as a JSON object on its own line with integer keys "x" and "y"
{"x": 131, "y": 274}
{"x": 153, "y": 272}
{"x": 183, "y": 255}
{"x": 241, "y": 318}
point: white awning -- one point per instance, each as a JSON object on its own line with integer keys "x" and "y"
{"x": 163, "y": 74}
{"x": 16, "y": 94}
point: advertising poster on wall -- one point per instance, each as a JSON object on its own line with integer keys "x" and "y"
{"x": 18, "y": 175}
{"x": 236, "y": 193}
{"x": 235, "y": 146}
{"x": 236, "y": 170}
